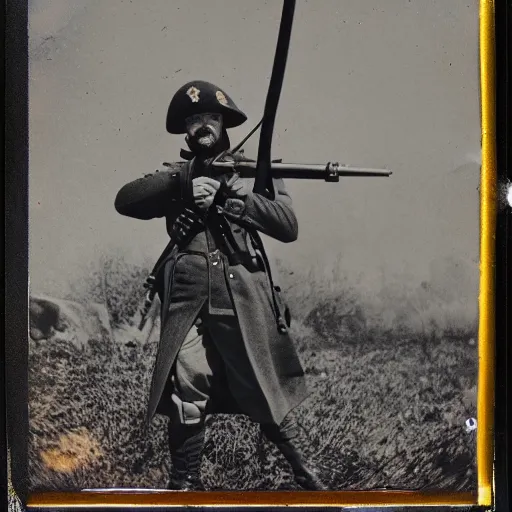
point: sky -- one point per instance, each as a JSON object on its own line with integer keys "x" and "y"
{"x": 369, "y": 83}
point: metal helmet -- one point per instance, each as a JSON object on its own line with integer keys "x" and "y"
{"x": 199, "y": 97}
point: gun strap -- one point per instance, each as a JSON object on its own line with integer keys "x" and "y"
{"x": 281, "y": 324}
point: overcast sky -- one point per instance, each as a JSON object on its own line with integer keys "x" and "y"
{"x": 368, "y": 83}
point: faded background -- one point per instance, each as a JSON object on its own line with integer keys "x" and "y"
{"x": 368, "y": 83}
{"x": 383, "y": 280}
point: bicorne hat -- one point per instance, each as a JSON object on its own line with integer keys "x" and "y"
{"x": 199, "y": 97}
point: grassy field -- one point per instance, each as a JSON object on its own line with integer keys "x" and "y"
{"x": 389, "y": 401}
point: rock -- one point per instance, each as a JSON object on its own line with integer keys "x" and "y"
{"x": 75, "y": 322}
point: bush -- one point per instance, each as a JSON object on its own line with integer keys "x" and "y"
{"x": 114, "y": 282}
{"x": 341, "y": 310}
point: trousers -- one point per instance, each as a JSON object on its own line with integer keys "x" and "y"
{"x": 213, "y": 348}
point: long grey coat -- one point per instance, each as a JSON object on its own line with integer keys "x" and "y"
{"x": 277, "y": 369}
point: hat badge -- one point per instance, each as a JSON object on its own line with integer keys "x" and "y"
{"x": 221, "y": 98}
{"x": 193, "y": 94}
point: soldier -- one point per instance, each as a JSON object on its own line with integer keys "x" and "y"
{"x": 224, "y": 346}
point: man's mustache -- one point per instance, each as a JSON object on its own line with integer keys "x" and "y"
{"x": 204, "y": 130}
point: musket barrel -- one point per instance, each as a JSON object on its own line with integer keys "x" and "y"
{"x": 301, "y": 171}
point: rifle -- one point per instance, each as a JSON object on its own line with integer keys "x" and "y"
{"x": 330, "y": 172}
{"x": 247, "y": 168}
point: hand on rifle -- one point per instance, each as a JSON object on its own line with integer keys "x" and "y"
{"x": 236, "y": 188}
{"x": 233, "y": 193}
{"x": 204, "y": 190}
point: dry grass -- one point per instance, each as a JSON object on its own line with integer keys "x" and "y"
{"x": 71, "y": 452}
{"x": 388, "y": 404}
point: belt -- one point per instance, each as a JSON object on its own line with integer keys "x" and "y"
{"x": 214, "y": 256}
{"x": 252, "y": 263}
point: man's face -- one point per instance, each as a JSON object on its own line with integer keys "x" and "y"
{"x": 203, "y": 131}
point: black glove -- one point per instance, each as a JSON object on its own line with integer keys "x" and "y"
{"x": 187, "y": 224}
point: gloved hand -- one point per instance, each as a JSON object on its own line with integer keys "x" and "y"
{"x": 233, "y": 195}
{"x": 204, "y": 190}
{"x": 184, "y": 224}
{"x": 237, "y": 188}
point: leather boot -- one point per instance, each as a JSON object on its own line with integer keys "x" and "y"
{"x": 306, "y": 475}
{"x": 186, "y": 447}
{"x": 285, "y": 437}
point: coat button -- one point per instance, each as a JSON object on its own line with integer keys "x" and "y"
{"x": 231, "y": 276}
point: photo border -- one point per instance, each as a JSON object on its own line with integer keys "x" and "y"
{"x": 486, "y": 331}
{"x": 487, "y": 296}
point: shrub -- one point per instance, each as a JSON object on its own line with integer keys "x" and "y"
{"x": 344, "y": 310}
{"x": 114, "y": 282}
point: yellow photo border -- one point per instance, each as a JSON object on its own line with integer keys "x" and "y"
{"x": 488, "y": 209}
{"x": 486, "y": 344}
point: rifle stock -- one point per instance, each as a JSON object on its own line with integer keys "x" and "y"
{"x": 330, "y": 172}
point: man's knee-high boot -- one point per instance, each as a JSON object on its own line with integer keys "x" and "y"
{"x": 285, "y": 437}
{"x": 186, "y": 446}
